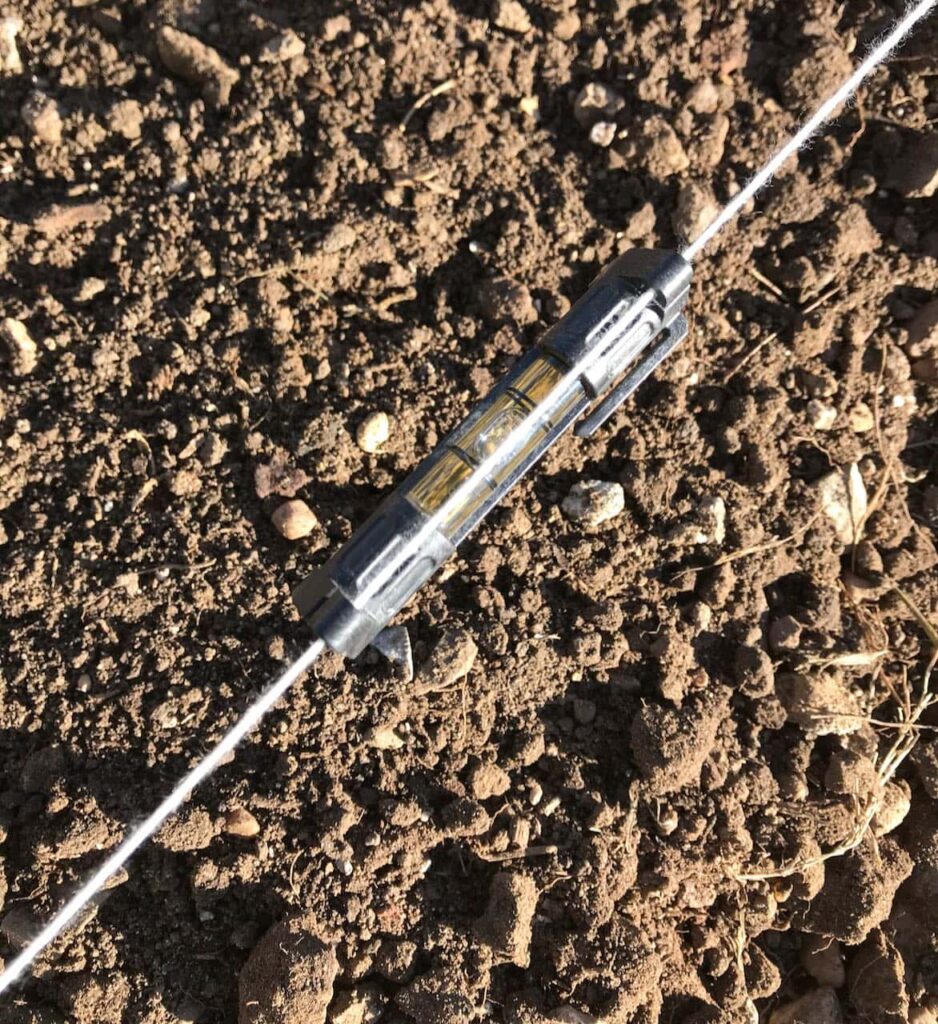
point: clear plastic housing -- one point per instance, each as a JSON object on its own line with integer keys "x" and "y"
{"x": 509, "y": 431}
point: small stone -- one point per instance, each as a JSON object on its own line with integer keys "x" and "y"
{"x": 22, "y": 353}
{"x": 821, "y": 416}
{"x": 10, "y": 61}
{"x": 860, "y": 419}
{"x": 895, "y": 804}
{"x": 40, "y": 114}
{"x": 821, "y": 704}
{"x": 695, "y": 209}
{"x": 596, "y": 102}
{"x": 821, "y": 957}
{"x": 567, "y": 26}
{"x": 704, "y": 97}
{"x": 125, "y": 118}
{"x": 592, "y": 502}
{"x": 89, "y": 288}
{"x": 784, "y": 634}
{"x": 282, "y": 47}
{"x": 712, "y": 511}
{"x": 240, "y": 822}
{"x": 914, "y": 173}
{"x": 818, "y": 1007}
{"x": 843, "y": 500}
{"x": 192, "y": 60}
{"x": 373, "y": 432}
{"x": 451, "y": 659}
{"x": 211, "y": 450}
{"x": 384, "y": 738}
{"x": 602, "y": 133}
{"x": 339, "y": 237}
{"x": 511, "y": 16}
{"x": 361, "y": 1005}
{"x": 641, "y": 222}
{"x": 335, "y": 26}
{"x": 294, "y": 519}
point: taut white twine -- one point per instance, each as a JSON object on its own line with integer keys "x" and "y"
{"x": 877, "y": 54}
{"x": 166, "y": 809}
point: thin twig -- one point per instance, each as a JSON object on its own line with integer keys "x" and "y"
{"x": 437, "y": 90}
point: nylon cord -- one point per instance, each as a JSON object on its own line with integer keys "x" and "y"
{"x": 876, "y": 55}
{"x": 170, "y": 805}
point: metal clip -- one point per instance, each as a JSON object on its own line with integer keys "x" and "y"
{"x": 669, "y": 339}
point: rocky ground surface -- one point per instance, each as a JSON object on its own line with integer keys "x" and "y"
{"x": 668, "y": 754}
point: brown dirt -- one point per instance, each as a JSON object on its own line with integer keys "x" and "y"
{"x": 225, "y": 250}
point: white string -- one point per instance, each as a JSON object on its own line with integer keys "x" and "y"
{"x": 166, "y": 809}
{"x": 824, "y": 112}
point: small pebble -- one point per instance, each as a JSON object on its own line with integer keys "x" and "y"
{"x": 704, "y": 97}
{"x": 21, "y": 351}
{"x": 895, "y": 804}
{"x": 511, "y": 16}
{"x": 843, "y": 500}
{"x": 384, "y": 738}
{"x": 591, "y": 502}
{"x": 294, "y": 519}
{"x": 240, "y": 822}
{"x": 821, "y": 416}
{"x": 373, "y": 432}
{"x": 191, "y": 59}
{"x": 696, "y": 207}
{"x": 335, "y": 26}
{"x": 602, "y": 133}
{"x": 10, "y": 60}
{"x": 861, "y": 419}
{"x": 596, "y": 102}
{"x": 282, "y": 47}
{"x": 89, "y": 288}
{"x": 641, "y": 222}
{"x": 40, "y": 114}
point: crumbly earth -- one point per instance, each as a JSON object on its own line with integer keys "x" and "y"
{"x": 229, "y": 235}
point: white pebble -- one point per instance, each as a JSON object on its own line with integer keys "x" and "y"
{"x": 821, "y": 416}
{"x": 373, "y": 432}
{"x": 602, "y": 133}
{"x": 294, "y": 519}
{"x": 9, "y": 54}
{"x": 591, "y": 502}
